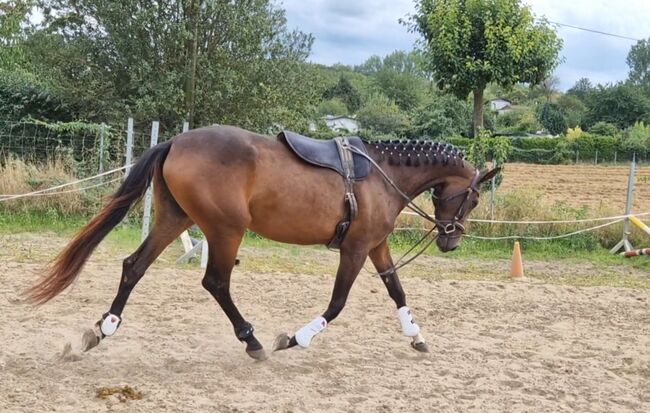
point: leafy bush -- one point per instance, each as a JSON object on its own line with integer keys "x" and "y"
{"x": 383, "y": 116}
{"x": 621, "y": 105}
{"x": 444, "y": 115}
{"x": 551, "y": 117}
{"x": 333, "y": 106}
{"x": 604, "y": 129}
{"x": 637, "y": 138}
{"x": 520, "y": 119}
{"x": 22, "y": 96}
{"x": 573, "y": 108}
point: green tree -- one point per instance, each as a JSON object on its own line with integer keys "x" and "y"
{"x": 573, "y": 108}
{"x": 637, "y": 138}
{"x": 443, "y": 116}
{"x": 398, "y": 76}
{"x": 621, "y": 105}
{"x": 639, "y": 62}
{"x": 604, "y": 129}
{"x": 470, "y": 43}
{"x": 200, "y": 60}
{"x": 551, "y": 117}
{"x": 521, "y": 119}
{"x": 582, "y": 89}
{"x": 13, "y": 16}
{"x": 382, "y": 115}
{"x": 334, "y": 107}
{"x": 344, "y": 91}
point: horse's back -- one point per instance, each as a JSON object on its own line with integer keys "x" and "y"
{"x": 255, "y": 179}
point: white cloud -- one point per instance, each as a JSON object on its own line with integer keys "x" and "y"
{"x": 350, "y": 31}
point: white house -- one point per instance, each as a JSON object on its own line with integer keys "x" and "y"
{"x": 342, "y": 123}
{"x": 501, "y": 106}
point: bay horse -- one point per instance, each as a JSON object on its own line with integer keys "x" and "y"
{"x": 228, "y": 180}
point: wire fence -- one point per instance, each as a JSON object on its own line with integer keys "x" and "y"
{"x": 89, "y": 148}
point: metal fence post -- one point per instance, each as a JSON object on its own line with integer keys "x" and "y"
{"x": 625, "y": 243}
{"x": 129, "y": 147}
{"x": 148, "y": 196}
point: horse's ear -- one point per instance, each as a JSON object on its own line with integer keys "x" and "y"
{"x": 487, "y": 175}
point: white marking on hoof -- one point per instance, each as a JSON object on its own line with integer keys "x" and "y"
{"x": 110, "y": 324}
{"x": 409, "y": 327}
{"x": 307, "y": 333}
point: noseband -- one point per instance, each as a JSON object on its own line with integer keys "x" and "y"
{"x": 450, "y": 226}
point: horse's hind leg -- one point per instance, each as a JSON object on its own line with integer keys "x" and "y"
{"x": 383, "y": 262}
{"x": 170, "y": 222}
{"x": 223, "y": 245}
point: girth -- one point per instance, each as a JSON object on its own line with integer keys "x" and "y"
{"x": 352, "y": 208}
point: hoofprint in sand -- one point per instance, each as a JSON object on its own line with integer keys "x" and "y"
{"x": 495, "y": 345}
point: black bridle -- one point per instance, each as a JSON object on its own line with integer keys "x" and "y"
{"x": 449, "y": 226}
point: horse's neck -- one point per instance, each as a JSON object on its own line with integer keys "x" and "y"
{"x": 413, "y": 180}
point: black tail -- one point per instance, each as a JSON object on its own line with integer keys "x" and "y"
{"x": 65, "y": 268}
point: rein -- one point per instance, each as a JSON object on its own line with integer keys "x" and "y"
{"x": 446, "y": 226}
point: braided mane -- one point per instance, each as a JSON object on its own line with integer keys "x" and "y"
{"x": 409, "y": 152}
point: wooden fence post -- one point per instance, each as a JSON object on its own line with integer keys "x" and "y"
{"x": 146, "y": 218}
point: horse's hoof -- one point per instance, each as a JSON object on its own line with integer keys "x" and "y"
{"x": 259, "y": 355}
{"x": 421, "y": 346}
{"x": 89, "y": 340}
{"x": 281, "y": 342}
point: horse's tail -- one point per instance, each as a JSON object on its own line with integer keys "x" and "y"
{"x": 65, "y": 268}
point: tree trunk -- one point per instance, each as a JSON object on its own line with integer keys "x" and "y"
{"x": 191, "y": 49}
{"x": 478, "y": 111}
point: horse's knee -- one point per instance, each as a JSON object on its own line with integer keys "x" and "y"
{"x": 215, "y": 287}
{"x": 131, "y": 273}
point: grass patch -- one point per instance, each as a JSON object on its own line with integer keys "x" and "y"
{"x": 474, "y": 260}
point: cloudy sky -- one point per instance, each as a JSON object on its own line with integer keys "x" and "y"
{"x": 349, "y": 31}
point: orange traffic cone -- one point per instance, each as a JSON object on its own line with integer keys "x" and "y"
{"x": 517, "y": 268}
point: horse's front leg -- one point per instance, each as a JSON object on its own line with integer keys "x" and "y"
{"x": 349, "y": 266}
{"x": 383, "y": 262}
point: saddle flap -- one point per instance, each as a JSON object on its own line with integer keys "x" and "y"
{"x": 325, "y": 153}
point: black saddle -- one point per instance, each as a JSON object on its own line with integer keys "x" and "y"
{"x": 325, "y": 153}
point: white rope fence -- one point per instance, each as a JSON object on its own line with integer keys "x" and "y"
{"x": 611, "y": 220}
{"x": 49, "y": 191}
{"x": 573, "y": 221}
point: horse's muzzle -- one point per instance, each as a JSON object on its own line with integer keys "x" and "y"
{"x": 447, "y": 243}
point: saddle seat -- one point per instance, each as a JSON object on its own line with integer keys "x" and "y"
{"x": 325, "y": 153}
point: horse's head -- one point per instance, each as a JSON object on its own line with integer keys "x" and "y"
{"x": 453, "y": 200}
